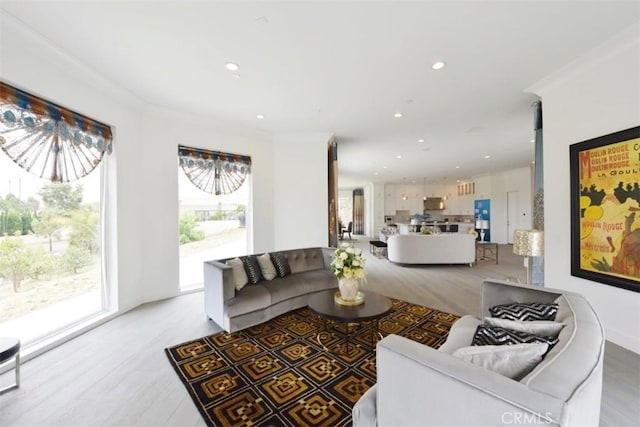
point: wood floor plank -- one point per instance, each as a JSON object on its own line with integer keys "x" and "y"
{"x": 117, "y": 374}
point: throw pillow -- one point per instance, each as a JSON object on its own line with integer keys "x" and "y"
{"x": 513, "y": 361}
{"x": 281, "y": 264}
{"x": 525, "y": 311}
{"x": 252, "y": 268}
{"x": 495, "y": 335}
{"x": 544, "y": 328}
{"x": 266, "y": 265}
{"x": 239, "y": 275}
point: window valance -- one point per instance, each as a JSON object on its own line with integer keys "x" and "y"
{"x": 48, "y": 140}
{"x": 213, "y": 171}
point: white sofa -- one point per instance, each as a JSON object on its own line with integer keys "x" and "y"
{"x": 420, "y": 386}
{"x": 442, "y": 248}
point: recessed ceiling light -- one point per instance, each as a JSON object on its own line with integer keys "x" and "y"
{"x": 260, "y": 116}
{"x": 398, "y": 156}
{"x": 375, "y": 173}
{"x": 457, "y": 167}
{"x": 487, "y": 156}
{"x": 397, "y": 115}
{"x": 421, "y": 140}
{"x": 532, "y": 140}
{"x": 438, "y": 65}
{"x": 232, "y": 67}
{"x": 384, "y": 167}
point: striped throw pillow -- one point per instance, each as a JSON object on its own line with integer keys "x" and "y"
{"x": 525, "y": 311}
{"x": 281, "y": 264}
{"x": 252, "y": 267}
{"x": 495, "y": 335}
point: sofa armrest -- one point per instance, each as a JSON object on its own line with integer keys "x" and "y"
{"x": 418, "y": 385}
{"x": 218, "y": 288}
{"x": 327, "y": 255}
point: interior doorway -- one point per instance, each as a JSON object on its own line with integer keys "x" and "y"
{"x": 513, "y": 214}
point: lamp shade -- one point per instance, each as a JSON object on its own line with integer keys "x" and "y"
{"x": 528, "y": 242}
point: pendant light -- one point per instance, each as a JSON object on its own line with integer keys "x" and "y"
{"x": 444, "y": 197}
{"x": 424, "y": 188}
{"x": 404, "y": 194}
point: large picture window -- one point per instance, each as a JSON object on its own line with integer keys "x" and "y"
{"x": 50, "y": 216}
{"x": 213, "y": 190}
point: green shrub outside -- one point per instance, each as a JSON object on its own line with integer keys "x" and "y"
{"x": 188, "y": 232}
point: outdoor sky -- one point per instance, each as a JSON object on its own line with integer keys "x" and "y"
{"x": 17, "y": 181}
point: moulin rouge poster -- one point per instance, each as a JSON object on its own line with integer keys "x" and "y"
{"x": 608, "y": 178}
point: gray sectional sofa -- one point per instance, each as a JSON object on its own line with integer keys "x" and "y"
{"x": 234, "y": 310}
{"x": 420, "y": 386}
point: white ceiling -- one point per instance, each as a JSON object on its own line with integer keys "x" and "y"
{"x": 346, "y": 68}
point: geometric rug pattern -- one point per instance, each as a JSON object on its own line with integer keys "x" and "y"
{"x": 281, "y": 373}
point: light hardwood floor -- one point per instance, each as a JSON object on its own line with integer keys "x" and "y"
{"x": 118, "y": 375}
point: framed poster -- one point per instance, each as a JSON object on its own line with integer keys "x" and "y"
{"x": 605, "y": 209}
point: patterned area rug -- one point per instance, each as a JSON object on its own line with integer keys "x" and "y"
{"x": 283, "y": 373}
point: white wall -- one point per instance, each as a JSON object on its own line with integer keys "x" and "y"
{"x": 31, "y": 63}
{"x": 595, "y": 96}
{"x": 143, "y": 168}
{"x": 518, "y": 181}
{"x": 162, "y": 132}
{"x": 300, "y": 202}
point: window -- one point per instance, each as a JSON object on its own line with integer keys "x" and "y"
{"x": 213, "y": 190}
{"x": 50, "y": 216}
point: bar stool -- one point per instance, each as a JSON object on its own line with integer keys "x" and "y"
{"x": 10, "y": 349}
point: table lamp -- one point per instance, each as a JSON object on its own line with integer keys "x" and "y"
{"x": 484, "y": 225}
{"x": 528, "y": 243}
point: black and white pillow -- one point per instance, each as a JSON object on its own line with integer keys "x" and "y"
{"x": 495, "y": 335}
{"x": 525, "y": 311}
{"x": 252, "y": 267}
{"x": 281, "y": 264}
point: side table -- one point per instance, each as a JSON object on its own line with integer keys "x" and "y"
{"x": 483, "y": 247}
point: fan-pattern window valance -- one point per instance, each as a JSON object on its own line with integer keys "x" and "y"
{"x": 48, "y": 140}
{"x": 213, "y": 171}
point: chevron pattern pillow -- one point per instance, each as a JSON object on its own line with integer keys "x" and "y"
{"x": 495, "y": 335}
{"x": 252, "y": 267}
{"x": 281, "y": 264}
{"x": 525, "y": 311}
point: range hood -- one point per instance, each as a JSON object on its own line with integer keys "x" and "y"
{"x": 433, "y": 204}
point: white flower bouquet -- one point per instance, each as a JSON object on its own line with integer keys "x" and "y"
{"x": 348, "y": 262}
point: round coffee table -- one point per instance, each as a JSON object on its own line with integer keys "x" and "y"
{"x": 374, "y": 307}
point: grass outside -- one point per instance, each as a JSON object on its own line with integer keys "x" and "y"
{"x": 212, "y": 240}
{"x": 36, "y": 294}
